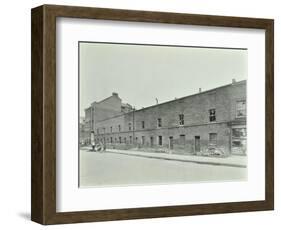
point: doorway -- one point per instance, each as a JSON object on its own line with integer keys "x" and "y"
{"x": 151, "y": 142}
{"x": 171, "y": 142}
{"x": 197, "y": 144}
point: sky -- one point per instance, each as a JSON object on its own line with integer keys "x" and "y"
{"x": 142, "y": 73}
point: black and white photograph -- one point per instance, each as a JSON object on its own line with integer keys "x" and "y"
{"x": 141, "y": 114}
{"x": 161, "y": 114}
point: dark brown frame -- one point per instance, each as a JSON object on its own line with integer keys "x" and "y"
{"x": 43, "y": 160}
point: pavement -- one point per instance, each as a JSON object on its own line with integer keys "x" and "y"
{"x": 232, "y": 161}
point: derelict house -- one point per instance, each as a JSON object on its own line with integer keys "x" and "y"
{"x": 213, "y": 119}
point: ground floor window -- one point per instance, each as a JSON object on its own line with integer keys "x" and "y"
{"x": 213, "y": 139}
{"x": 120, "y": 140}
{"x": 182, "y": 139}
{"x": 239, "y": 140}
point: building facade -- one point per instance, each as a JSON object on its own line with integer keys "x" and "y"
{"x": 98, "y": 111}
{"x": 206, "y": 121}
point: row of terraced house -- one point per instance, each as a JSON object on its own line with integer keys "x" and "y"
{"x": 213, "y": 119}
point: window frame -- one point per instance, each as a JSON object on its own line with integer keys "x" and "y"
{"x": 211, "y": 116}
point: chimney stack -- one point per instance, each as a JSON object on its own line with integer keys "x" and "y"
{"x": 115, "y": 94}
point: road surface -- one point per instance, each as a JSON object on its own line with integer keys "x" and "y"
{"x": 113, "y": 169}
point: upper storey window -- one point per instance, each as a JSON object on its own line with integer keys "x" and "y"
{"x": 241, "y": 108}
{"x": 181, "y": 119}
{"x": 159, "y": 122}
{"x": 212, "y": 115}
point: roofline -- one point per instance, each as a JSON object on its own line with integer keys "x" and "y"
{"x": 98, "y": 102}
{"x": 191, "y": 95}
{"x": 181, "y": 98}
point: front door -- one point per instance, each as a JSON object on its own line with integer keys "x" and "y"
{"x": 171, "y": 142}
{"x": 151, "y": 142}
{"x": 197, "y": 143}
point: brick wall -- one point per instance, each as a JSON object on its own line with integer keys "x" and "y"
{"x": 195, "y": 109}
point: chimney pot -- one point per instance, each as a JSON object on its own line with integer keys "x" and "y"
{"x": 233, "y": 80}
{"x": 200, "y": 90}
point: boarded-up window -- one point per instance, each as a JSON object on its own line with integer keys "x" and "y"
{"x": 213, "y": 139}
{"x": 182, "y": 140}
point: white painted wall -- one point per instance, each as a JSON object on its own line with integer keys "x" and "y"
{"x": 15, "y": 114}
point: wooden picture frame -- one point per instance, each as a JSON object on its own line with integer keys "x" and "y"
{"x": 43, "y": 160}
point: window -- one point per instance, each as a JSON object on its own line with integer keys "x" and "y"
{"x": 120, "y": 140}
{"x": 111, "y": 129}
{"x": 130, "y": 126}
{"x": 159, "y": 122}
{"x": 212, "y": 115}
{"x": 136, "y": 139}
{"x": 142, "y": 140}
{"x": 119, "y": 128}
{"x": 213, "y": 138}
{"x": 103, "y": 130}
{"x": 142, "y": 124}
{"x": 159, "y": 140}
{"x": 130, "y": 139}
{"x": 111, "y": 140}
{"x": 239, "y": 141}
{"x": 182, "y": 140}
{"x": 181, "y": 118}
{"x": 241, "y": 108}
{"x": 125, "y": 140}
{"x": 239, "y": 133}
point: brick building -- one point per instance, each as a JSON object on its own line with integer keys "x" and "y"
{"x": 83, "y": 133}
{"x": 213, "y": 119}
{"x": 98, "y": 111}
